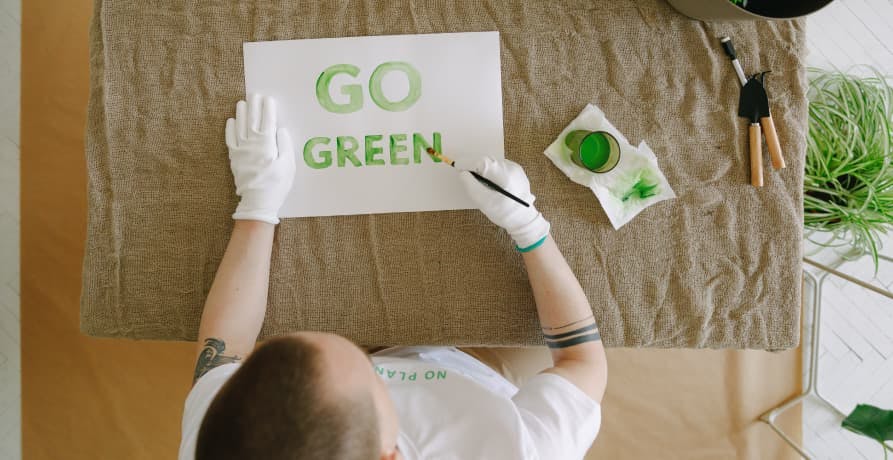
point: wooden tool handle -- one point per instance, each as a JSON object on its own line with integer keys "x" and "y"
{"x": 772, "y": 142}
{"x": 756, "y": 156}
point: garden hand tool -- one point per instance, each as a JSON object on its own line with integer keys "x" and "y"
{"x": 749, "y": 107}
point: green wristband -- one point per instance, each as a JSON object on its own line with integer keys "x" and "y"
{"x": 532, "y": 246}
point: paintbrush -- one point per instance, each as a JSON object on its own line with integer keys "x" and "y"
{"x": 730, "y": 52}
{"x": 480, "y": 178}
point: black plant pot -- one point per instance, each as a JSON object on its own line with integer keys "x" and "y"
{"x": 724, "y": 10}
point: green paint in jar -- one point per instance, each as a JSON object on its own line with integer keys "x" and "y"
{"x": 596, "y": 151}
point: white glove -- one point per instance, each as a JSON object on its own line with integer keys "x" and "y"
{"x": 524, "y": 224}
{"x": 262, "y": 159}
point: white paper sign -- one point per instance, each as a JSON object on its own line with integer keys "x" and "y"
{"x": 362, "y": 111}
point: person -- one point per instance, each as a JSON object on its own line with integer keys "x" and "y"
{"x": 312, "y": 395}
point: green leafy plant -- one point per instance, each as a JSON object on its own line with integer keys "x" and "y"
{"x": 872, "y": 422}
{"x": 848, "y": 180}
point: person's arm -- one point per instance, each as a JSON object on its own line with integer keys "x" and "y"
{"x": 567, "y": 321}
{"x": 564, "y": 312}
{"x": 234, "y": 310}
{"x": 262, "y": 162}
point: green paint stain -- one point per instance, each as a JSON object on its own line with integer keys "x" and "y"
{"x": 641, "y": 190}
{"x": 644, "y": 185}
{"x": 397, "y": 148}
{"x": 354, "y": 92}
{"x": 372, "y": 150}
{"x": 325, "y": 155}
{"x": 415, "y": 86}
{"x": 346, "y": 146}
{"x": 420, "y": 147}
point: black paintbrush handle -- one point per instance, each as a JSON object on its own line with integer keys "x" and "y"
{"x": 730, "y": 52}
{"x": 496, "y": 187}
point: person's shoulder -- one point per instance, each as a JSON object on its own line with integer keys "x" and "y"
{"x": 197, "y": 402}
{"x": 554, "y": 393}
{"x": 551, "y": 381}
{"x": 560, "y": 420}
{"x": 210, "y": 383}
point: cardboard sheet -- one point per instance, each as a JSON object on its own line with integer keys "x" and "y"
{"x": 362, "y": 111}
{"x": 682, "y": 404}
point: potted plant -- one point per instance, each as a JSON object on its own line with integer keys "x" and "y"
{"x": 730, "y": 10}
{"x": 848, "y": 176}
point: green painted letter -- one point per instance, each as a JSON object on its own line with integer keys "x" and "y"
{"x": 398, "y": 147}
{"x": 372, "y": 150}
{"x": 347, "y": 145}
{"x": 415, "y": 86}
{"x": 353, "y": 92}
{"x": 420, "y": 147}
{"x": 324, "y": 155}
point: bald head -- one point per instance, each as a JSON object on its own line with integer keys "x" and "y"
{"x": 348, "y": 373}
{"x": 290, "y": 400}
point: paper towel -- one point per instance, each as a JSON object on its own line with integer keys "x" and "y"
{"x": 617, "y": 189}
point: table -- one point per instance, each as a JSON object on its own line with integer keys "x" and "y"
{"x": 717, "y": 267}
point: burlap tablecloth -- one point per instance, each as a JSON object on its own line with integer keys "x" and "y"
{"x": 717, "y": 267}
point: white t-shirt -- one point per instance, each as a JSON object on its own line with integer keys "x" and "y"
{"x": 452, "y": 406}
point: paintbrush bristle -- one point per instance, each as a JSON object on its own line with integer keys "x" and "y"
{"x": 440, "y": 156}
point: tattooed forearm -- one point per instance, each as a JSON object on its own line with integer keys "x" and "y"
{"x": 566, "y": 336}
{"x": 212, "y": 356}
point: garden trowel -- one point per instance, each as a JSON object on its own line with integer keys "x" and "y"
{"x": 754, "y": 105}
{"x": 749, "y": 106}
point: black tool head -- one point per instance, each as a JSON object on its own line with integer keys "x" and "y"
{"x": 754, "y": 103}
{"x": 762, "y": 97}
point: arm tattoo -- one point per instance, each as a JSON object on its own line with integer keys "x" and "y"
{"x": 585, "y": 333}
{"x": 211, "y": 357}
{"x": 566, "y": 325}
